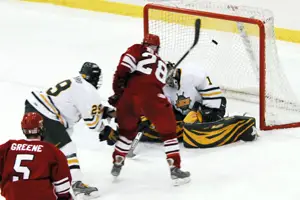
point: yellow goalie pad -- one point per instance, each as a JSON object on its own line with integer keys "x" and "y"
{"x": 211, "y": 134}
{"x": 221, "y": 132}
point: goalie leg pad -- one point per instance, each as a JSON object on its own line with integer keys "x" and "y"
{"x": 151, "y": 135}
{"x": 219, "y": 133}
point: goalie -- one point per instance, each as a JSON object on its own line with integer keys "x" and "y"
{"x": 199, "y": 107}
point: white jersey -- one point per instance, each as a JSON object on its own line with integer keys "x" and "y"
{"x": 195, "y": 86}
{"x": 69, "y": 101}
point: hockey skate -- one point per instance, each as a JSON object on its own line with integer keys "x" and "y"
{"x": 178, "y": 176}
{"x": 118, "y": 164}
{"x": 83, "y": 191}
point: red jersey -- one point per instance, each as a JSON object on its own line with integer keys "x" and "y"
{"x": 33, "y": 170}
{"x": 145, "y": 67}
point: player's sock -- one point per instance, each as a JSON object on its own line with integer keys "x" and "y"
{"x": 122, "y": 146}
{"x": 172, "y": 151}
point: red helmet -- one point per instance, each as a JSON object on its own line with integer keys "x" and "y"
{"x": 32, "y": 124}
{"x": 151, "y": 39}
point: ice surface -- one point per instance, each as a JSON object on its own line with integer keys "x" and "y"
{"x": 41, "y": 44}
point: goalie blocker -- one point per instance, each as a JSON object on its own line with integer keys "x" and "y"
{"x": 210, "y": 134}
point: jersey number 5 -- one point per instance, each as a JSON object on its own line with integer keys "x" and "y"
{"x": 161, "y": 71}
{"x": 22, "y": 169}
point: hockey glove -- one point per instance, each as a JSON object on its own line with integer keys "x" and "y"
{"x": 108, "y": 113}
{"x": 113, "y": 100}
{"x": 109, "y": 135}
{"x": 214, "y": 114}
{"x": 144, "y": 123}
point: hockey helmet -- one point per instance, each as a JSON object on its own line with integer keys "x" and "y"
{"x": 92, "y": 73}
{"x": 152, "y": 40}
{"x": 32, "y": 124}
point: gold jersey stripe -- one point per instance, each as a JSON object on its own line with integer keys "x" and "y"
{"x": 95, "y": 122}
{"x": 73, "y": 160}
{"x": 211, "y": 94}
{"x": 53, "y": 108}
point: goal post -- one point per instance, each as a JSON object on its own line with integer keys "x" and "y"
{"x": 237, "y": 40}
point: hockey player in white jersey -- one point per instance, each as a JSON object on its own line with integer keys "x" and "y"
{"x": 188, "y": 84}
{"x": 62, "y": 106}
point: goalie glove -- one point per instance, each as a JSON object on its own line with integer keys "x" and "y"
{"x": 214, "y": 114}
{"x": 194, "y": 115}
{"x": 109, "y": 135}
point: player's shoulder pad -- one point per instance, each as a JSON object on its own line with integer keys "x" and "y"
{"x": 49, "y": 145}
{"x": 8, "y": 143}
{"x": 83, "y": 86}
{"x": 11, "y": 141}
{"x": 78, "y": 79}
{"x": 54, "y": 148}
{"x": 136, "y": 50}
{"x": 135, "y": 47}
{"x": 194, "y": 72}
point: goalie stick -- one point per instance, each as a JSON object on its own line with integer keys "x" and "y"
{"x": 140, "y": 132}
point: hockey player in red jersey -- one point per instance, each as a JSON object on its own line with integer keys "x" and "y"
{"x": 33, "y": 169}
{"x": 138, "y": 82}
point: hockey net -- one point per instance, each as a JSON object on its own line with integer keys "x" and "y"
{"x": 237, "y": 47}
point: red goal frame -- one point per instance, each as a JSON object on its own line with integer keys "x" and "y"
{"x": 262, "y": 64}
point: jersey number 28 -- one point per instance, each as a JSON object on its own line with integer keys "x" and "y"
{"x": 150, "y": 59}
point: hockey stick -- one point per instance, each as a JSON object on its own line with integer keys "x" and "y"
{"x": 196, "y": 39}
{"x": 134, "y": 144}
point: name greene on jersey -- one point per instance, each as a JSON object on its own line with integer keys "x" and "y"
{"x": 26, "y": 147}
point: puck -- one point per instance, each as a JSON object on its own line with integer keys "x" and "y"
{"x": 215, "y": 42}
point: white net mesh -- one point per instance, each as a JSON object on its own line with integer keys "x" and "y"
{"x": 229, "y": 52}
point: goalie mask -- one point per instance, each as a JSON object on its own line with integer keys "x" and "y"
{"x": 174, "y": 76}
{"x": 92, "y": 73}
